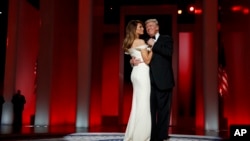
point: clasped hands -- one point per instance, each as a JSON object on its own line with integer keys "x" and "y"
{"x": 151, "y": 42}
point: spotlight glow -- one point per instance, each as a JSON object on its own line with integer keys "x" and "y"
{"x": 191, "y": 8}
{"x": 245, "y": 11}
{"x": 198, "y": 11}
{"x": 179, "y": 11}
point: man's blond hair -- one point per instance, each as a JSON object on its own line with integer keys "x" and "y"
{"x": 151, "y": 20}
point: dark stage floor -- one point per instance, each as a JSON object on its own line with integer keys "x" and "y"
{"x": 107, "y": 133}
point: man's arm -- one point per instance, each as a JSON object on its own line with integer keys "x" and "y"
{"x": 134, "y": 62}
{"x": 164, "y": 46}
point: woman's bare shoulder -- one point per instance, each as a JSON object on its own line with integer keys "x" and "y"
{"x": 138, "y": 42}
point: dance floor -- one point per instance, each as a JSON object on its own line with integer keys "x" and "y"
{"x": 112, "y": 133}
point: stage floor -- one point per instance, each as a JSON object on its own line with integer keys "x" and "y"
{"x": 107, "y": 133}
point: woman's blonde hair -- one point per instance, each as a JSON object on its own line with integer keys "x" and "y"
{"x": 130, "y": 34}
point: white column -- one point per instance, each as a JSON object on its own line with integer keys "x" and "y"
{"x": 44, "y": 68}
{"x": 210, "y": 64}
{"x": 10, "y": 63}
{"x": 84, "y": 62}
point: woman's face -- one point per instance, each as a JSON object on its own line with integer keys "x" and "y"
{"x": 139, "y": 29}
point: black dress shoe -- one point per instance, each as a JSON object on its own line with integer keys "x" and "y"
{"x": 167, "y": 139}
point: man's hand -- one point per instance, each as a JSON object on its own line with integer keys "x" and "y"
{"x": 151, "y": 42}
{"x": 134, "y": 61}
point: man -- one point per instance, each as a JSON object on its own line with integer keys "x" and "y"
{"x": 18, "y": 101}
{"x": 162, "y": 80}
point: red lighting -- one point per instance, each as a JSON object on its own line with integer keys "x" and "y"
{"x": 245, "y": 11}
{"x": 236, "y": 8}
{"x": 218, "y": 26}
{"x": 198, "y": 11}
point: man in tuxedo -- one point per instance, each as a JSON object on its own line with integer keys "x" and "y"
{"x": 18, "y": 101}
{"x": 162, "y": 80}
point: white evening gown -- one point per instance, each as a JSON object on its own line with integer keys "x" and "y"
{"x": 139, "y": 124}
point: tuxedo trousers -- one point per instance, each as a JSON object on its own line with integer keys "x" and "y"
{"x": 160, "y": 107}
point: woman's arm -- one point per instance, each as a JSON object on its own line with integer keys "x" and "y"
{"x": 146, "y": 55}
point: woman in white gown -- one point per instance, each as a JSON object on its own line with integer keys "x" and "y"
{"x": 139, "y": 124}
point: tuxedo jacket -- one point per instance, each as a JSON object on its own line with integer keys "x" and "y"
{"x": 161, "y": 71}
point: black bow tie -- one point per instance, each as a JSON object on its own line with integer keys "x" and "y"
{"x": 153, "y": 37}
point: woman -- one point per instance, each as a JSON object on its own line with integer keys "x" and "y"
{"x": 139, "y": 124}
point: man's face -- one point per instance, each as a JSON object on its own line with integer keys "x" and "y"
{"x": 152, "y": 28}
